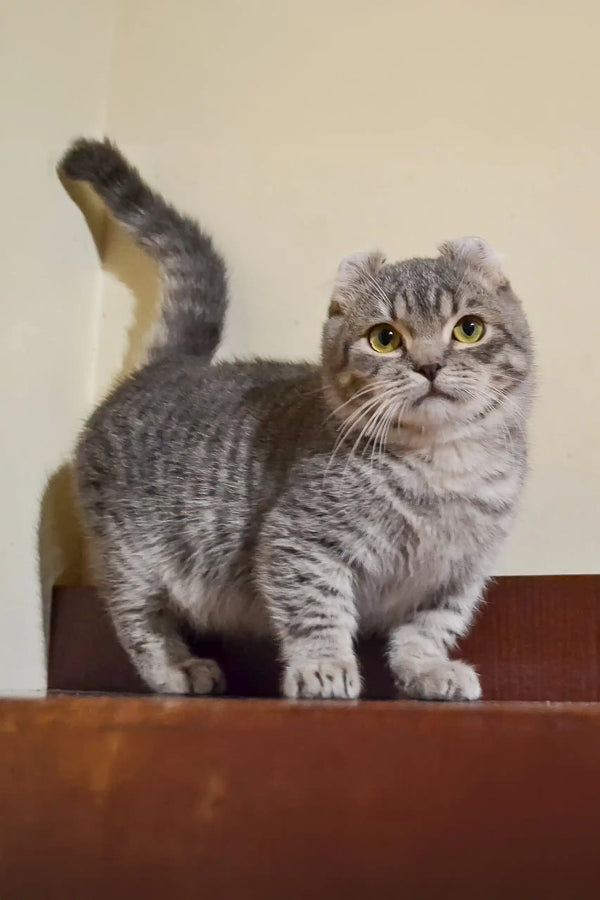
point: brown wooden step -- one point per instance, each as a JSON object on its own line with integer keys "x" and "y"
{"x": 189, "y": 798}
{"x": 537, "y": 638}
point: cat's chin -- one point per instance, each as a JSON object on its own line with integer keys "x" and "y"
{"x": 433, "y": 409}
{"x": 433, "y": 417}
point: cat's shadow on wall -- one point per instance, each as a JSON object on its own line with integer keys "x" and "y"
{"x": 61, "y": 544}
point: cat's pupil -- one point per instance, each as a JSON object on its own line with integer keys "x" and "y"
{"x": 469, "y": 328}
{"x": 386, "y": 336}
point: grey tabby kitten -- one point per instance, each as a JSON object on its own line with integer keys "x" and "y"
{"x": 367, "y": 494}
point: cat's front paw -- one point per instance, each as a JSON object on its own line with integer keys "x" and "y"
{"x": 439, "y": 679}
{"x": 322, "y": 679}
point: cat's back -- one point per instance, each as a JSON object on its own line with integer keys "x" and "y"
{"x": 150, "y": 428}
{"x": 179, "y": 384}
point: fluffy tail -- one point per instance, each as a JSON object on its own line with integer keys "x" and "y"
{"x": 193, "y": 274}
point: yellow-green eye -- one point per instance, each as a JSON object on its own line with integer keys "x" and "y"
{"x": 384, "y": 338}
{"x": 469, "y": 330}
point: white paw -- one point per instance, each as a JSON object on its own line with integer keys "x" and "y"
{"x": 204, "y": 676}
{"x": 324, "y": 679}
{"x": 168, "y": 680}
{"x": 440, "y": 679}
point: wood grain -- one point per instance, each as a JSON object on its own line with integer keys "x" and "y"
{"x": 155, "y": 798}
{"x": 536, "y": 638}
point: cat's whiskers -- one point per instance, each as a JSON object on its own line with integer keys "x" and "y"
{"x": 379, "y": 429}
{"x": 391, "y": 411}
{"x": 498, "y": 397}
{"x": 396, "y": 415}
{"x": 365, "y": 390}
{"x": 355, "y": 416}
{"x": 352, "y": 421}
{"x": 507, "y": 399}
{"x": 360, "y": 437}
{"x": 373, "y": 418}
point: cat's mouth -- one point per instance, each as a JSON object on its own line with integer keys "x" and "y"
{"x": 434, "y": 392}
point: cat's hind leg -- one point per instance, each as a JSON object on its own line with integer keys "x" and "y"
{"x": 148, "y": 632}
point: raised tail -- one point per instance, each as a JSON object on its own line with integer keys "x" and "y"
{"x": 194, "y": 282}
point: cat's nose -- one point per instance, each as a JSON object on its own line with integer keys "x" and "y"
{"x": 429, "y": 371}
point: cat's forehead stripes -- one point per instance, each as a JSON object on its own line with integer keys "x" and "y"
{"x": 421, "y": 289}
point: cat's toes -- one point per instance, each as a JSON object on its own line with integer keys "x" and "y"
{"x": 204, "y": 676}
{"x": 167, "y": 680}
{"x": 441, "y": 679}
{"x": 323, "y": 679}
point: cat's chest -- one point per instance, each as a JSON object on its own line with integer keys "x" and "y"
{"x": 444, "y": 516}
{"x": 457, "y": 487}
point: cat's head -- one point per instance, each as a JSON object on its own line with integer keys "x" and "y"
{"x": 430, "y": 344}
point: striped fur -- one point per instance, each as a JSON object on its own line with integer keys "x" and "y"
{"x": 194, "y": 285}
{"x": 308, "y": 502}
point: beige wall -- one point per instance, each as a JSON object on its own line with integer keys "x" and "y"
{"x": 298, "y": 132}
{"x": 53, "y": 71}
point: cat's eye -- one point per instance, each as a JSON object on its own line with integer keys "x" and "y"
{"x": 469, "y": 330}
{"x": 384, "y": 338}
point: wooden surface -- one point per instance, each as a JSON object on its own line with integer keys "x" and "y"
{"x": 536, "y": 638}
{"x": 157, "y": 798}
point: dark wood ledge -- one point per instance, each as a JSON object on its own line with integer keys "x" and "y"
{"x": 537, "y": 638}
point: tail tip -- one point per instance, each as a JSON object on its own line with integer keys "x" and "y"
{"x": 88, "y": 158}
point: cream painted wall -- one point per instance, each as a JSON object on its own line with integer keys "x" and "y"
{"x": 54, "y": 61}
{"x": 301, "y": 131}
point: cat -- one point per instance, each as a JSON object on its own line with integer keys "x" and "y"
{"x": 367, "y": 494}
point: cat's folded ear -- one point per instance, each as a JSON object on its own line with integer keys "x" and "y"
{"x": 353, "y": 276}
{"x": 474, "y": 255}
